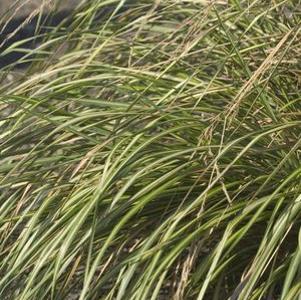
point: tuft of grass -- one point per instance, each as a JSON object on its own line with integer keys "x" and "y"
{"x": 152, "y": 151}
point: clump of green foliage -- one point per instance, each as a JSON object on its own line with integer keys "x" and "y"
{"x": 152, "y": 151}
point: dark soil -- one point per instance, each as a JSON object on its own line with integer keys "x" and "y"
{"x": 19, "y": 29}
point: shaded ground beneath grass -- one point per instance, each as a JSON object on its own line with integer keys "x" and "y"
{"x": 25, "y": 8}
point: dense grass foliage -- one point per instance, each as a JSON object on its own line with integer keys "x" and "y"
{"x": 152, "y": 151}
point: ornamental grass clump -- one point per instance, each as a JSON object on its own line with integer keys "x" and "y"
{"x": 151, "y": 150}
